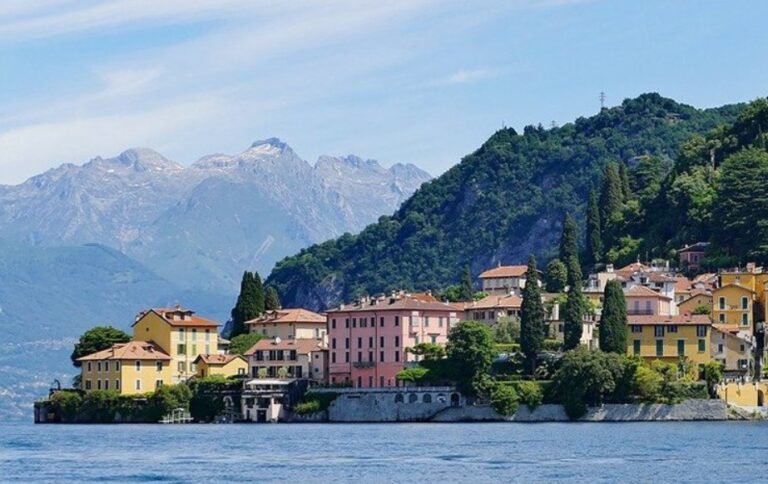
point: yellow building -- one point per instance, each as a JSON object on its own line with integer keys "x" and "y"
{"x": 290, "y": 324}
{"x": 669, "y": 338}
{"x": 697, "y": 298}
{"x": 181, "y": 334}
{"x": 733, "y": 304}
{"x": 130, "y": 368}
{"x": 223, "y": 365}
{"x": 732, "y": 346}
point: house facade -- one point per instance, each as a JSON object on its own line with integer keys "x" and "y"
{"x": 289, "y": 324}
{"x": 503, "y": 280}
{"x": 221, "y": 365}
{"x": 493, "y": 308}
{"x": 293, "y": 359}
{"x": 368, "y": 339}
{"x": 669, "y": 338}
{"x": 181, "y": 334}
{"x": 733, "y": 347}
{"x": 733, "y": 304}
{"x": 643, "y": 301}
{"x": 691, "y": 256}
{"x": 128, "y": 368}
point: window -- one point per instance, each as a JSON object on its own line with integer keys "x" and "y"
{"x": 426, "y": 321}
{"x": 354, "y": 322}
{"x": 720, "y": 348}
{"x": 87, "y": 384}
{"x": 658, "y": 331}
{"x": 194, "y": 334}
{"x": 381, "y": 341}
{"x": 636, "y": 328}
{"x": 721, "y": 318}
{"x": 346, "y": 343}
{"x": 346, "y": 357}
{"x": 333, "y": 324}
{"x": 370, "y": 356}
{"x": 106, "y": 366}
{"x": 333, "y": 343}
{"x": 333, "y": 357}
{"x": 194, "y": 350}
{"x": 440, "y": 321}
{"x": 745, "y": 319}
{"x": 207, "y": 349}
{"x": 158, "y": 384}
{"x": 346, "y": 323}
{"x": 106, "y": 384}
{"x": 181, "y": 334}
{"x": 397, "y": 320}
{"x": 207, "y": 335}
{"x": 98, "y": 366}
{"x": 138, "y": 384}
{"x": 117, "y": 366}
{"x": 89, "y": 366}
{"x": 743, "y": 364}
{"x": 721, "y": 303}
{"x": 359, "y": 342}
{"x": 741, "y": 348}
{"x": 397, "y": 341}
{"x": 659, "y": 347}
{"x": 702, "y": 345}
{"x": 636, "y": 347}
{"x": 159, "y": 365}
{"x": 434, "y": 339}
{"x": 681, "y": 347}
{"x": 359, "y": 356}
{"x": 370, "y": 341}
{"x": 381, "y": 322}
{"x": 701, "y": 331}
{"x": 181, "y": 367}
{"x": 117, "y": 384}
{"x": 744, "y": 303}
{"x": 397, "y": 356}
{"x": 138, "y": 365}
{"x": 359, "y": 382}
{"x": 370, "y": 382}
{"x": 181, "y": 349}
{"x": 381, "y": 356}
{"x": 671, "y": 328}
{"x": 98, "y": 384}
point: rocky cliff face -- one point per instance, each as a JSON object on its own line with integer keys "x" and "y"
{"x": 202, "y": 225}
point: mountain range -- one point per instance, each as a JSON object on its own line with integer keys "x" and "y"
{"x": 94, "y": 244}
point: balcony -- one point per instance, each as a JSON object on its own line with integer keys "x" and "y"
{"x": 364, "y": 364}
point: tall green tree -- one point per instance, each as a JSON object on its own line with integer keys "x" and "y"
{"x": 556, "y": 277}
{"x": 575, "y": 306}
{"x": 250, "y": 303}
{"x": 613, "y": 320}
{"x": 271, "y": 299}
{"x": 532, "y": 316}
{"x": 470, "y": 354}
{"x": 97, "y": 339}
{"x": 611, "y": 196}
{"x": 467, "y": 288}
{"x": 626, "y": 191}
{"x": 569, "y": 245}
{"x": 594, "y": 252}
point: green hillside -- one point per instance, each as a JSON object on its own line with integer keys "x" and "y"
{"x": 500, "y": 203}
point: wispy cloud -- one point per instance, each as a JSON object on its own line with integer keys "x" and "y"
{"x": 466, "y": 76}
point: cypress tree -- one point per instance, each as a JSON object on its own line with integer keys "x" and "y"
{"x": 531, "y": 317}
{"x": 575, "y": 306}
{"x": 613, "y": 321}
{"x": 467, "y": 288}
{"x": 247, "y": 305}
{"x": 624, "y": 178}
{"x": 258, "y": 294}
{"x": 556, "y": 276}
{"x": 594, "y": 252}
{"x": 271, "y": 299}
{"x": 611, "y": 195}
{"x": 569, "y": 245}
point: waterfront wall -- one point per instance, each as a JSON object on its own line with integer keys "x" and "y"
{"x": 408, "y": 405}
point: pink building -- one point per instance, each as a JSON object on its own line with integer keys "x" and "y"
{"x": 644, "y": 301}
{"x": 692, "y": 255}
{"x": 368, "y": 339}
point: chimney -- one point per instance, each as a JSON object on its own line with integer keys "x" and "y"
{"x": 609, "y": 268}
{"x": 750, "y": 267}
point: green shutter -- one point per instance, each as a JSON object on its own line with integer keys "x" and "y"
{"x": 702, "y": 345}
{"x": 681, "y": 347}
{"x": 659, "y": 347}
{"x": 636, "y": 346}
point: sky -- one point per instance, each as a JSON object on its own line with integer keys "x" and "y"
{"x": 411, "y": 81}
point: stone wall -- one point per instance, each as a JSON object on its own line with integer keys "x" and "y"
{"x": 412, "y": 404}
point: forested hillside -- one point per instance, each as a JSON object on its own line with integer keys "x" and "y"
{"x": 717, "y": 191}
{"x": 500, "y": 203}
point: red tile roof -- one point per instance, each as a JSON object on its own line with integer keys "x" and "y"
{"x": 217, "y": 360}
{"x": 132, "y": 350}
{"x": 642, "y": 291}
{"x": 504, "y": 271}
{"x": 288, "y": 316}
{"x": 488, "y": 302}
{"x": 189, "y": 319}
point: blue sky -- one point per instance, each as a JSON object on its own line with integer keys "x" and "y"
{"x": 421, "y": 81}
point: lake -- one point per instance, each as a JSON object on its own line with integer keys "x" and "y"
{"x": 663, "y": 451}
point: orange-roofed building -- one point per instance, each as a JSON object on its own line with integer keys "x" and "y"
{"x": 129, "y": 368}
{"x": 289, "y": 324}
{"x": 491, "y": 309}
{"x": 642, "y": 300}
{"x": 503, "y": 280}
{"x": 288, "y": 359}
{"x": 180, "y": 333}
{"x": 221, "y": 365}
{"x": 733, "y": 346}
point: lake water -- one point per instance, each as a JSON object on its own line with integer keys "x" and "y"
{"x": 584, "y": 452}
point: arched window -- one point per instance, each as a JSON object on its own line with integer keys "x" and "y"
{"x": 413, "y": 398}
{"x": 399, "y": 398}
{"x": 427, "y": 398}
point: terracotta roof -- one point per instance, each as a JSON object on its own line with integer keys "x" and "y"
{"x": 642, "y": 291}
{"x": 191, "y": 319}
{"x": 217, "y": 360}
{"x": 739, "y": 286}
{"x": 303, "y": 346}
{"x": 697, "y": 247}
{"x": 504, "y": 271}
{"x": 132, "y": 350}
{"x": 288, "y": 316}
{"x": 680, "y": 319}
{"x": 488, "y": 302}
{"x": 406, "y": 303}
{"x": 683, "y": 284}
{"x": 632, "y": 268}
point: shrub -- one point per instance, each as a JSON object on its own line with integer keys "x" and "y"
{"x": 314, "y": 402}
{"x": 414, "y": 375}
{"x": 713, "y": 374}
{"x": 100, "y": 406}
{"x": 529, "y": 393}
{"x": 551, "y": 345}
{"x": 647, "y": 384}
{"x": 500, "y": 348}
{"x": 504, "y": 399}
{"x": 67, "y": 405}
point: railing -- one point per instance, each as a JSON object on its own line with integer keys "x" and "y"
{"x": 640, "y": 312}
{"x": 364, "y": 364}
